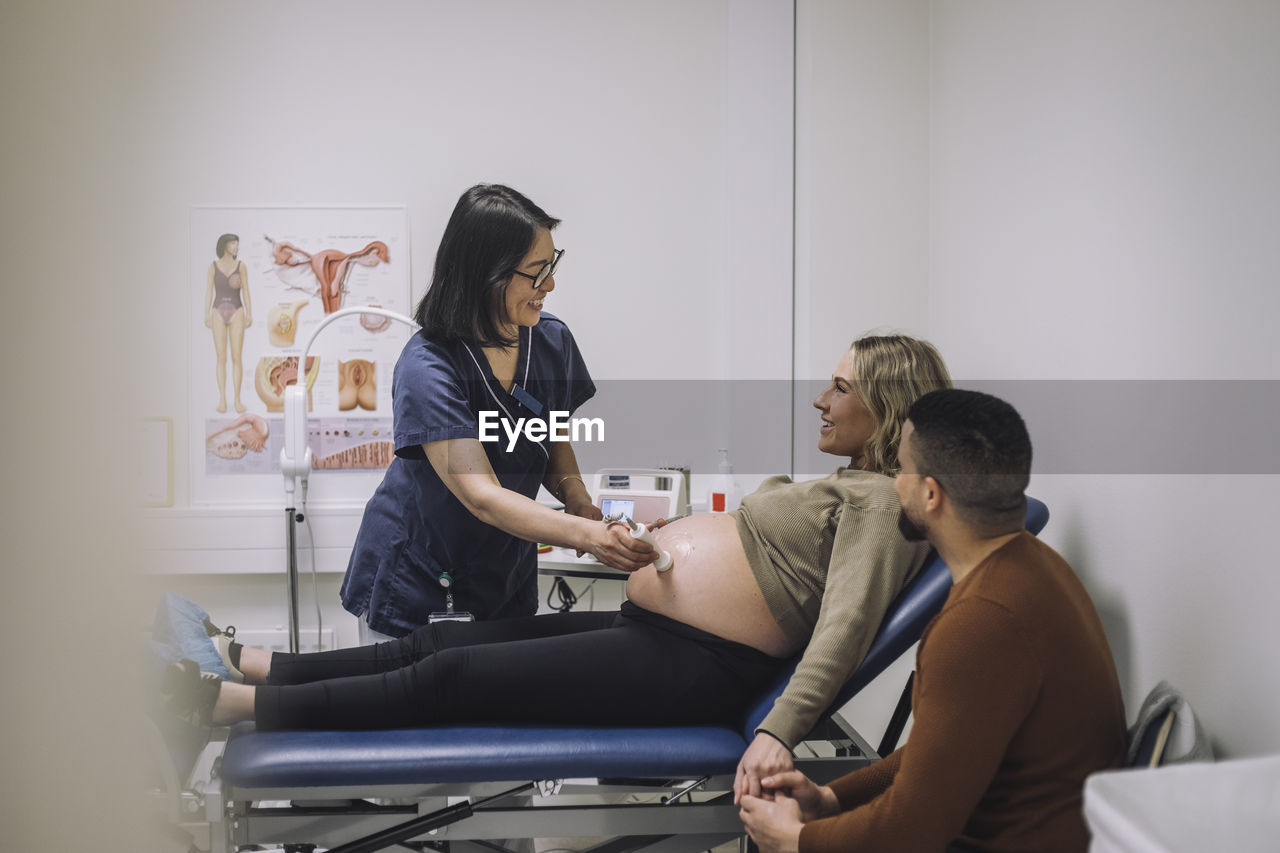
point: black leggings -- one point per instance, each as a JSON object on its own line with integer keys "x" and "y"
{"x": 627, "y": 667}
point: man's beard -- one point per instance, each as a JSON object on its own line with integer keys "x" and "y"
{"x": 910, "y": 531}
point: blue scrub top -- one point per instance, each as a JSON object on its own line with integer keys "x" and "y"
{"x": 413, "y": 527}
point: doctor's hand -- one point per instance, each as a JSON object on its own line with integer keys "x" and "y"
{"x": 765, "y": 757}
{"x": 774, "y": 825}
{"x": 613, "y": 545}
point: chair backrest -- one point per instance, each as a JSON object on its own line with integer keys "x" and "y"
{"x": 917, "y": 604}
{"x": 1166, "y": 731}
{"x": 1148, "y": 743}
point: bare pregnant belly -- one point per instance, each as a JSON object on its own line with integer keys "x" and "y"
{"x": 710, "y": 584}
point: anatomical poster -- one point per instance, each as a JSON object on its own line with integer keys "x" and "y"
{"x": 263, "y": 281}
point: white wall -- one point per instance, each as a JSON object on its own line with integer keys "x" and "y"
{"x": 1101, "y": 191}
{"x": 1105, "y": 187}
{"x": 862, "y": 124}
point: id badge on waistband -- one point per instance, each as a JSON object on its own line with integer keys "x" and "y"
{"x": 448, "y": 614}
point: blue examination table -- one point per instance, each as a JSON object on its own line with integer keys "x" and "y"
{"x": 661, "y": 789}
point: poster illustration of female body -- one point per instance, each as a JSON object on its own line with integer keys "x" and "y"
{"x": 228, "y": 312}
{"x": 315, "y": 261}
{"x": 329, "y": 267}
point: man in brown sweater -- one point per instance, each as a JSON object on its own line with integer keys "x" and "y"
{"x": 1016, "y": 698}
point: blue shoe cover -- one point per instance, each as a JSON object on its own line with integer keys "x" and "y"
{"x": 179, "y": 632}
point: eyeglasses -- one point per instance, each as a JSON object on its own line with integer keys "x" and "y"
{"x": 546, "y": 272}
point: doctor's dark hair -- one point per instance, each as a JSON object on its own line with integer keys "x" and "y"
{"x": 889, "y": 373}
{"x": 491, "y": 230}
{"x": 977, "y": 448}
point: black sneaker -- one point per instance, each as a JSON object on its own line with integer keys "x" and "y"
{"x": 190, "y": 693}
{"x": 222, "y": 639}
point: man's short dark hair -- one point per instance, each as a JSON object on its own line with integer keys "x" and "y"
{"x": 977, "y": 447}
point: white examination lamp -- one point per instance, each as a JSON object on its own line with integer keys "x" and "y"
{"x": 295, "y": 457}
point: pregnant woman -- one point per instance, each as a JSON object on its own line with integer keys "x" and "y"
{"x": 806, "y": 567}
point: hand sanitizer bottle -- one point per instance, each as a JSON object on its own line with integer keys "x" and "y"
{"x": 724, "y": 494}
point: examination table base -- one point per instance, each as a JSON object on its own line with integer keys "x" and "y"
{"x": 656, "y": 804}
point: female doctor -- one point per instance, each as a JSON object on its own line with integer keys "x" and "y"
{"x": 455, "y": 516}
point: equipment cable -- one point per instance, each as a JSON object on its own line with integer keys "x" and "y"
{"x": 315, "y": 582}
{"x": 565, "y": 597}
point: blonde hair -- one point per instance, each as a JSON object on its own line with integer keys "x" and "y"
{"x": 890, "y": 372}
